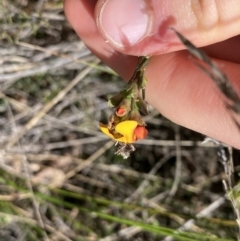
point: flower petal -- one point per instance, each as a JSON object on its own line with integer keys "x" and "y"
{"x": 130, "y": 130}
{"x": 140, "y": 132}
{"x": 126, "y": 128}
{"x": 105, "y": 130}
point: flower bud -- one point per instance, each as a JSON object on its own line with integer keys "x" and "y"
{"x": 124, "y": 107}
{"x": 140, "y": 133}
{"x": 117, "y": 99}
{"x": 135, "y": 115}
{"x": 142, "y": 106}
{"x": 113, "y": 120}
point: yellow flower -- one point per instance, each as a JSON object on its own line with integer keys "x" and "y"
{"x": 129, "y": 129}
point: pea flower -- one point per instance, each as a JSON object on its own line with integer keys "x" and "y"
{"x": 125, "y": 125}
{"x": 130, "y": 131}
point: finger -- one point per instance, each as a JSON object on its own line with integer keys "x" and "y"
{"x": 80, "y": 14}
{"x": 141, "y": 27}
{"x": 183, "y": 93}
{"x": 228, "y": 50}
{"x": 176, "y": 87}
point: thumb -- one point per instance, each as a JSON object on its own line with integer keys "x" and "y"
{"x": 141, "y": 27}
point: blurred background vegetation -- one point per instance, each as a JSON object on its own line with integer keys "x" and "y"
{"x": 59, "y": 177}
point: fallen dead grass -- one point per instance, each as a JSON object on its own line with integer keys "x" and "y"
{"x": 60, "y": 179}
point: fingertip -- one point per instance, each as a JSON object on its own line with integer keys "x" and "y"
{"x": 135, "y": 28}
{"x": 81, "y": 12}
{"x": 142, "y": 27}
{"x": 124, "y": 29}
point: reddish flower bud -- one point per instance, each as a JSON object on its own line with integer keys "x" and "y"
{"x": 121, "y": 111}
{"x": 140, "y": 132}
{"x": 124, "y": 107}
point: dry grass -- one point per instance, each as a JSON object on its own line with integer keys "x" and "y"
{"x": 60, "y": 179}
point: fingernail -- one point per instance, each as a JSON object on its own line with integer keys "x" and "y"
{"x": 125, "y": 22}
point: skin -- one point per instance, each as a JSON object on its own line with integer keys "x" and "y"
{"x": 176, "y": 87}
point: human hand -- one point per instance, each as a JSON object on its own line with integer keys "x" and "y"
{"x": 118, "y": 30}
